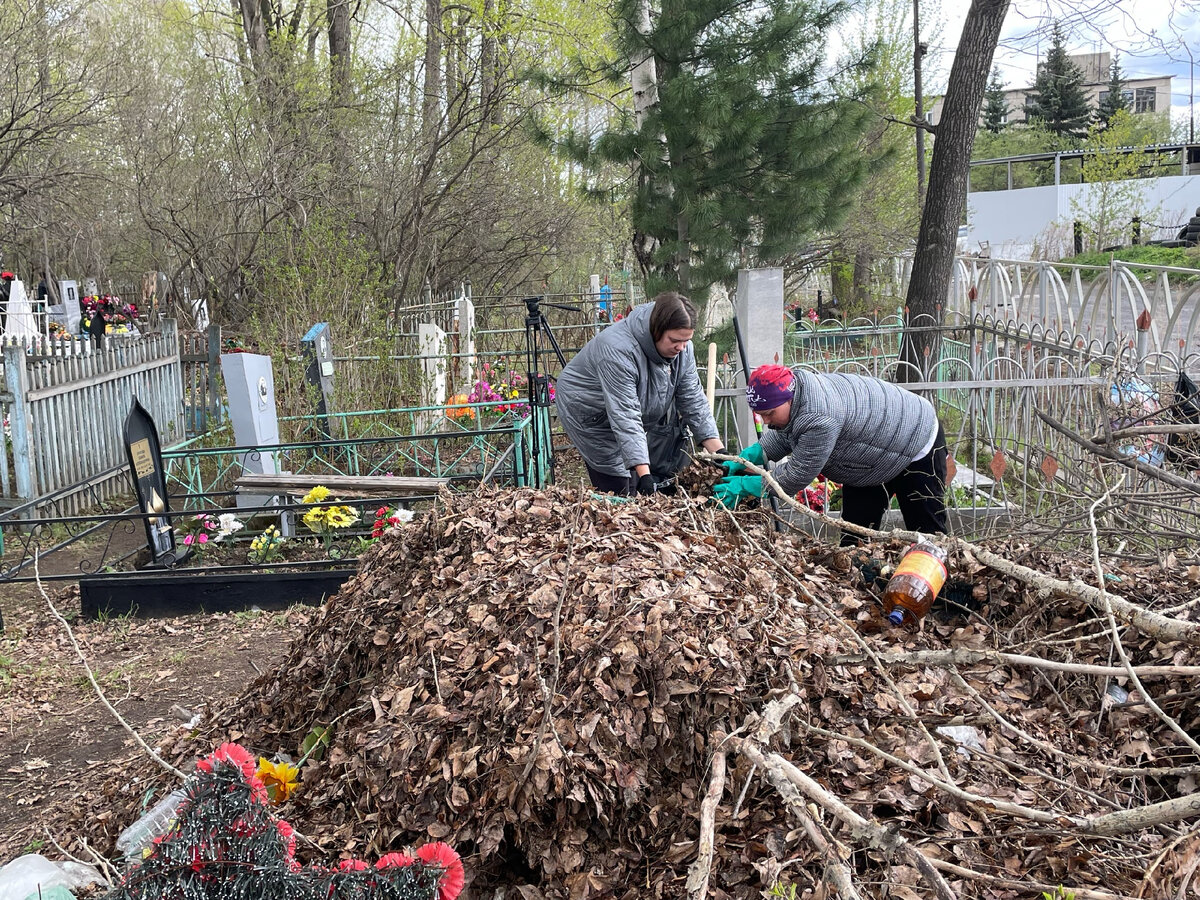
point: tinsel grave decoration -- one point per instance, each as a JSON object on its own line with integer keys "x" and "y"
{"x": 225, "y": 844}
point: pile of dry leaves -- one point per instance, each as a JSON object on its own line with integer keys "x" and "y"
{"x": 542, "y": 679}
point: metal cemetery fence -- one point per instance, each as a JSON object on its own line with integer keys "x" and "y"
{"x": 200, "y": 366}
{"x": 64, "y": 405}
{"x": 1098, "y": 304}
{"x": 204, "y": 476}
{"x": 205, "y": 479}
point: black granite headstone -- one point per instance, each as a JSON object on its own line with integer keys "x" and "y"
{"x": 149, "y": 482}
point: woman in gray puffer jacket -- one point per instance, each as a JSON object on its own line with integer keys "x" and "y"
{"x": 871, "y": 436}
{"x": 625, "y": 398}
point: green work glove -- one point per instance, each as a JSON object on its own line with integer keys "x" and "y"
{"x": 754, "y": 453}
{"x": 732, "y": 488}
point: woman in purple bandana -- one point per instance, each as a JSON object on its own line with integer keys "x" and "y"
{"x": 871, "y": 436}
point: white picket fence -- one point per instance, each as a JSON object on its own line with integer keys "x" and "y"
{"x": 65, "y": 404}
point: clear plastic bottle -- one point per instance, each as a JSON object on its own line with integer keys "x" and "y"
{"x": 157, "y": 819}
{"x": 915, "y": 583}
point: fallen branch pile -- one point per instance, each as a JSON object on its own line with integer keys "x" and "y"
{"x": 657, "y": 699}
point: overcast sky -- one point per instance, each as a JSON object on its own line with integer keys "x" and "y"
{"x": 1153, "y": 37}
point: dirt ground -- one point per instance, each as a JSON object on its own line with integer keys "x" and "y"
{"x": 55, "y": 732}
{"x": 156, "y": 673}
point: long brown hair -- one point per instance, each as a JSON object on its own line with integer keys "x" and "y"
{"x": 671, "y": 310}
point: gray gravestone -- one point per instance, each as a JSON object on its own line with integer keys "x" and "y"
{"x": 250, "y": 387}
{"x": 759, "y": 310}
{"x": 66, "y": 312}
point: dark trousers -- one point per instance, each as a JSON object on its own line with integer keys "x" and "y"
{"x": 627, "y": 486}
{"x": 920, "y": 488}
{"x": 612, "y": 484}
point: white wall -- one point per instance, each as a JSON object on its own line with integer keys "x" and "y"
{"x": 1016, "y": 223}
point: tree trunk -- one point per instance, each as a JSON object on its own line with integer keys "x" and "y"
{"x": 683, "y": 258}
{"x": 644, "y": 80}
{"x": 244, "y": 64}
{"x": 254, "y": 26}
{"x": 489, "y": 75}
{"x": 339, "y": 52}
{"x": 947, "y": 190}
{"x": 43, "y": 50}
{"x": 456, "y": 58}
{"x": 338, "y": 12}
{"x": 431, "y": 109}
{"x": 644, "y": 77}
{"x": 862, "y": 278}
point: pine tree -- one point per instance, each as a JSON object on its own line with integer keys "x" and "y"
{"x": 750, "y": 148}
{"x": 1114, "y": 101}
{"x": 1058, "y": 98}
{"x": 995, "y": 106}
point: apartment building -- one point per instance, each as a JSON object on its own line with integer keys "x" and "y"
{"x": 1145, "y": 95}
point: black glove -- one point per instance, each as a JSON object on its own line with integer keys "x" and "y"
{"x": 646, "y": 485}
{"x": 720, "y": 451}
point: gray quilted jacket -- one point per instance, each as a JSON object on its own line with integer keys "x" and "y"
{"x": 623, "y": 405}
{"x": 855, "y": 429}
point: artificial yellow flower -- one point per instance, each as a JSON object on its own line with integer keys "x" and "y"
{"x": 315, "y": 518}
{"x": 340, "y": 517}
{"x": 316, "y": 495}
{"x": 281, "y": 779}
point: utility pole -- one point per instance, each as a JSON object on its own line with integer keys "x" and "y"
{"x": 919, "y": 50}
{"x": 1191, "y": 96}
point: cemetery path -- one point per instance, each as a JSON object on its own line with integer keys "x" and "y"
{"x": 54, "y": 732}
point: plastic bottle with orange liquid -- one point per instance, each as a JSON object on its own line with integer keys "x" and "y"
{"x": 914, "y": 585}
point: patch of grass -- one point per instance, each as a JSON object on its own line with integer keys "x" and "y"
{"x": 178, "y": 658}
{"x": 108, "y": 681}
{"x": 962, "y": 496}
{"x": 1185, "y": 257}
{"x": 118, "y": 625}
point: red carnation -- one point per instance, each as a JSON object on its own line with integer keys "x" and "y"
{"x": 230, "y": 753}
{"x": 394, "y": 861}
{"x": 443, "y": 856}
{"x": 288, "y": 833}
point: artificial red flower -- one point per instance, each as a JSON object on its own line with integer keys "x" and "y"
{"x": 443, "y": 856}
{"x": 230, "y": 753}
{"x": 394, "y": 861}
{"x": 352, "y": 865}
{"x": 288, "y": 833}
{"x": 242, "y": 828}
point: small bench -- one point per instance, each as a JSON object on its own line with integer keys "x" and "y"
{"x": 340, "y": 486}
